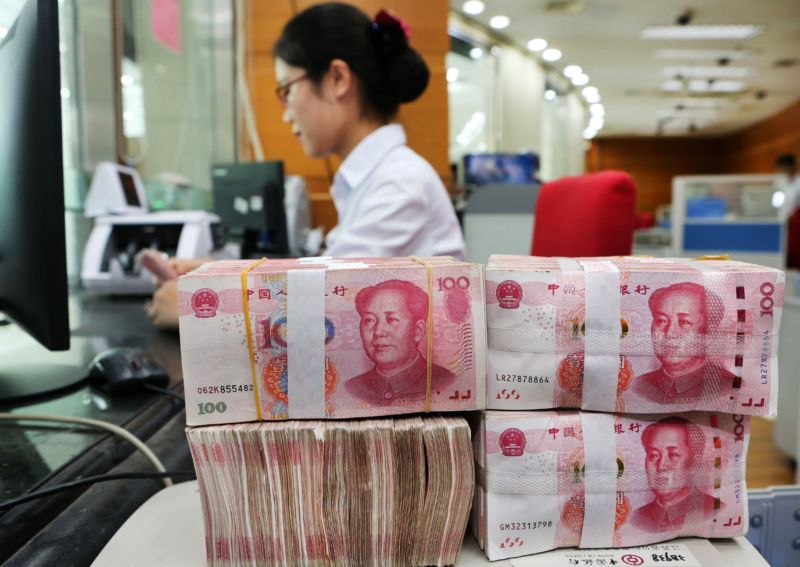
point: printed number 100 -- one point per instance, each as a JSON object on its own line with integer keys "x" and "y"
{"x": 446, "y": 284}
{"x": 209, "y": 407}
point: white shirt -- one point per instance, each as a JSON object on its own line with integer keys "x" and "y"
{"x": 391, "y": 202}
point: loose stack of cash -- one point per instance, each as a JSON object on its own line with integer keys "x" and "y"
{"x": 551, "y": 479}
{"x": 635, "y": 335}
{"x": 393, "y": 492}
{"x": 322, "y": 338}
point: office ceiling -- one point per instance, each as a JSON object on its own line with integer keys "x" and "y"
{"x": 603, "y": 38}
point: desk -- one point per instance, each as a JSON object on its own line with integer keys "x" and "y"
{"x": 150, "y": 539}
{"x": 70, "y": 528}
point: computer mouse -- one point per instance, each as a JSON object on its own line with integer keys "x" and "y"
{"x": 125, "y": 370}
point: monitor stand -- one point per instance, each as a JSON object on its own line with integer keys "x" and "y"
{"x": 29, "y": 370}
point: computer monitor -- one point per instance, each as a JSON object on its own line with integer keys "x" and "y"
{"x": 249, "y": 199}
{"x": 517, "y": 169}
{"x": 33, "y": 265}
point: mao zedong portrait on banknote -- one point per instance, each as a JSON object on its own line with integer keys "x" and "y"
{"x": 673, "y": 452}
{"x": 393, "y": 322}
{"x": 684, "y": 314}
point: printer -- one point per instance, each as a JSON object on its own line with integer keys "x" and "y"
{"x": 124, "y": 226}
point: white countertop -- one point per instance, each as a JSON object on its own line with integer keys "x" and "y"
{"x": 168, "y": 531}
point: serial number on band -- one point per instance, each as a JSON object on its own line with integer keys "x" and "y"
{"x": 224, "y": 389}
{"x": 519, "y": 526}
{"x": 522, "y": 378}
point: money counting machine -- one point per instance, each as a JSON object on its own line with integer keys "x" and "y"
{"x": 124, "y": 227}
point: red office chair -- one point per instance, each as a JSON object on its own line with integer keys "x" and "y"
{"x": 589, "y": 215}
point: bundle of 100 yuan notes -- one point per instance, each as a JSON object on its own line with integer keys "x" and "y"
{"x": 548, "y": 479}
{"x": 635, "y": 335}
{"x": 320, "y": 338}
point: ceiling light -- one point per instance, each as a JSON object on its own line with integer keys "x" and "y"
{"x": 590, "y": 92}
{"x": 126, "y": 80}
{"x": 580, "y": 80}
{"x": 703, "y": 54}
{"x": 704, "y": 102}
{"x": 596, "y": 122}
{"x": 551, "y": 54}
{"x": 473, "y": 7}
{"x": 731, "y": 32}
{"x": 589, "y": 133}
{"x": 703, "y": 113}
{"x": 592, "y": 99}
{"x": 476, "y": 52}
{"x": 701, "y": 86}
{"x": 452, "y": 74}
{"x": 549, "y": 94}
{"x": 706, "y": 72}
{"x": 499, "y": 22}
{"x": 537, "y": 44}
{"x": 597, "y": 109}
{"x": 572, "y": 70}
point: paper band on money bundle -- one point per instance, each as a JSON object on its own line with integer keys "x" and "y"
{"x": 635, "y": 335}
{"x": 322, "y": 338}
{"x": 551, "y": 479}
{"x": 370, "y": 492}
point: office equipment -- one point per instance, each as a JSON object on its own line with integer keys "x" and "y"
{"x": 267, "y": 212}
{"x": 775, "y": 524}
{"x": 483, "y": 169}
{"x": 587, "y": 215}
{"x": 109, "y": 258}
{"x": 33, "y": 267}
{"x": 124, "y": 228}
{"x": 498, "y": 219}
{"x": 728, "y": 214}
{"x": 125, "y": 370}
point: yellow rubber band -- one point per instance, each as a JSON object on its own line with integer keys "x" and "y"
{"x": 716, "y": 257}
{"x": 249, "y": 332}
{"x": 429, "y": 358}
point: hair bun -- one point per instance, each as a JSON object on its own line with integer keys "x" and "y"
{"x": 390, "y": 34}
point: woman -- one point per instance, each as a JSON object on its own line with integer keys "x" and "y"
{"x": 342, "y": 78}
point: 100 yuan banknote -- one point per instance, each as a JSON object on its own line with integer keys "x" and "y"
{"x": 332, "y": 340}
{"x": 563, "y": 479}
{"x": 633, "y": 335}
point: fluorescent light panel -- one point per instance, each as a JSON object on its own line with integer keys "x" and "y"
{"x": 700, "y": 86}
{"x": 733, "y": 32}
{"x": 703, "y": 72}
{"x": 703, "y": 54}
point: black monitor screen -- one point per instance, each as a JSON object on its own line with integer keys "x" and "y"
{"x": 33, "y": 265}
{"x": 248, "y": 197}
{"x": 129, "y": 187}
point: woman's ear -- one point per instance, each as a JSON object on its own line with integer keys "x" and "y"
{"x": 339, "y": 80}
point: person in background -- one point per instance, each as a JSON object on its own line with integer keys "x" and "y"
{"x": 342, "y": 77}
{"x": 787, "y": 199}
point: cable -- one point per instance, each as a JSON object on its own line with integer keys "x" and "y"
{"x": 124, "y": 433}
{"x": 165, "y": 391}
{"x": 8, "y": 504}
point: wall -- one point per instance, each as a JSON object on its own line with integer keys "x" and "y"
{"x": 754, "y": 149}
{"x": 653, "y": 162}
{"x": 425, "y": 120}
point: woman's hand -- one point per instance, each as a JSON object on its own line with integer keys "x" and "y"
{"x": 163, "y": 307}
{"x": 184, "y": 266}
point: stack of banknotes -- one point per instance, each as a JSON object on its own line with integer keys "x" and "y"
{"x": 320, "y": 338}
{"x": 672, "y": 356}
{"x": 550, "y": 479}
{"x": 370, "y": 492}
{"x": 633, "y": 335}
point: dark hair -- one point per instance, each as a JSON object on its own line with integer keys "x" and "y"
{"x": 391, "y": 72}
{"x": 710, "y": 302}
{"x": 786, "y": 160}
{"x": 415, "y": 298}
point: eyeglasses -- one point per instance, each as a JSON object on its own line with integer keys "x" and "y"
{"x": 282, "y": 92}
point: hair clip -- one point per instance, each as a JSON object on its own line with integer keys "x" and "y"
{"x": 389, "y": 19}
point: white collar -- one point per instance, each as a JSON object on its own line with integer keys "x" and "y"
{"x": 368, "y": 153}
